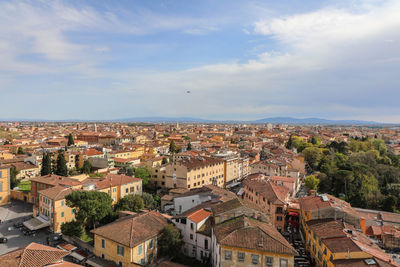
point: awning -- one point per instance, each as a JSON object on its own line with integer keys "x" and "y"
{"x": 77, "y": 256}
{"x": 293, "y": 214}
{"x": 36, "y": 223}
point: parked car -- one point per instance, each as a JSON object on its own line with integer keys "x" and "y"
{"x": 3, "y": 239}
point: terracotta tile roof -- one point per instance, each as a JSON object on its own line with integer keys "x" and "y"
{"x": 93, "y": 152}
{"x": 327, "y": 228}
{"x": 56, "y": 193}
{"x": 132, "y": 230}
{"x": 310, "y": 203}
{"x": 343, "y": 244}
{"x": 276, "y": 194}
{"x": 390, "y": 217}
{"x": 199, "y": 215}
{"x": 64, "y": 264}
{"x": 234, "y": 204}
{"x": 196, "y": 162}
{"x": 24, "y": 166}
{"x": 374, "y": 230}
{"x": 111, "y": 180}
{"x": 376, "y": 252}
{"x": 52, "y": 179}
{"x": 33, "y": 255}
{"x": 243, "y": 232}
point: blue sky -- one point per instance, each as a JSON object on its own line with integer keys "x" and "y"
{"x": 240, "y": 59}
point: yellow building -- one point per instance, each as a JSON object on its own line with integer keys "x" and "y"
{"x": 244, "y": 241}
{"x": 53, "y": 207}
{"x": 130, "y": 240}
{"x": 194, "y": 172}
{"x": 127, "y": 154}
{"x": 4, "y": 184}
{"x": 334, "y": 235}
{"x": 117, "y": 186}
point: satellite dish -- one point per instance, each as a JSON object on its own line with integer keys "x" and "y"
{"x": 188, "y": 92}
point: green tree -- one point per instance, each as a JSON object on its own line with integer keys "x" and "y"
{"x": 73, "y": 228}
{"x": 130, "y": 172}
{"x": 70, "y": 140}
{"x": 13, "y": 177}
{"x": 91, "y": 206}
{"x": 61, "y": 168}
{"x": 144, "y": 174}
{"x": 289, "y": 143}
{"x": 313, "y": 156}
{"x": 87, "y": 167}
{"x": 170, "y": 241}
{"x": 389, "y": 204}
{"x": 46, "y": 165}
{"x": 172, "y": 147}
{"x": 189, "y": 146}
{"x": 315, "y": 140}
{"x": 164, "y": 161}
{"x": 129, "y": 203}
{"x": 311, "y": 182}
{"x": 20, "y": 151}
{"x": 148, "y": 200}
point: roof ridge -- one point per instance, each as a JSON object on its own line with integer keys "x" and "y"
{"x": 280, "y": 242}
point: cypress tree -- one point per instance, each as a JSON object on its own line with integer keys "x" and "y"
{"x": 70, "y": 140}
{"x": 46, "y": 165}
{"x": 61, "y": 169}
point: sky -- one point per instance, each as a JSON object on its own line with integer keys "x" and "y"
{"x": 240, "y": 60}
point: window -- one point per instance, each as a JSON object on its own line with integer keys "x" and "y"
{"x": 150, "y": 257}
{"x": 279, "y": 218}
{"x": 102, "y": 256}
{"x": 254, "y": 259}
{"x": 140, "y": 248}
{"x": 241, "y": 256}
{"x": 62, "y": 203}
{"x": 183, "y": 221}
{"x": 206, "y": 243}
{"x": 331, "y": 258}
{"x": 73, "y": 211}
{"x": 126, "y": 190}
{"x": 103, "y": 243}
{"x": 191, "y": 226}
{"x": 120, "y": 263}
{"x": 142, "y": 261}
{"x": 191, "y": 236}
{"x": 283, "y": 263}
{"x": 114, "y": 190}
{"x": 228, "y": 255}
{"x": 319, "y": 255}
{"x": 120, "y": 250}
{"x": 269, "y": 261}
{"x": 151, "y": 244}
{"x": 62, "y": 214}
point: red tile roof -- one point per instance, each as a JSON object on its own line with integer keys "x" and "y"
{"x": 199, "y": 215}
{"x": 133, "y": 230}
{"x": 33, "y": 255}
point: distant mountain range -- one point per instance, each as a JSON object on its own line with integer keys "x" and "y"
{"x": 290, "y": 120}
{"x": 273, "y": 120}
